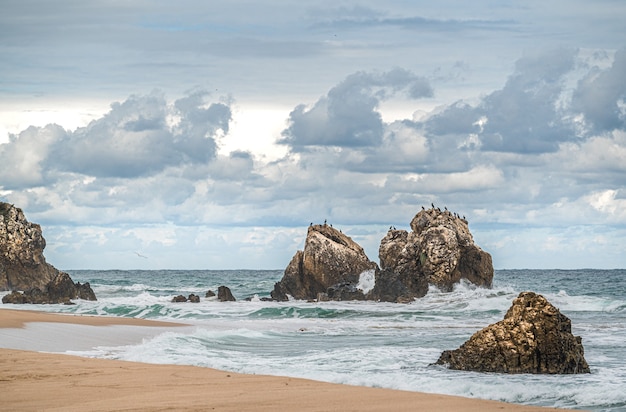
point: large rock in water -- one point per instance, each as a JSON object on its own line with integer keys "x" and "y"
{"x": 329, "y": 259}
{"x": 533, "y": 337}
{"x": 23, "y": 266}
{"x": 439, "y": 250}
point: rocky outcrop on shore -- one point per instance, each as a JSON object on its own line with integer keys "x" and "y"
{"x": 438, "y": 251}
{"x": 329, "y": 259}
{"x": 24, "y": 268}
{"x": 61, "y": 289}
{"x": 533, "y": 337}
{"x": 22, "y": 264}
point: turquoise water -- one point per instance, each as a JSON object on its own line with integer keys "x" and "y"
{"x": 367, "y": 343}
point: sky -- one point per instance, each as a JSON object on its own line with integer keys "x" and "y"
{"x": 209, "y": 135}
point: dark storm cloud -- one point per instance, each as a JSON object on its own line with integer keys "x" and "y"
{"x": 601, "y": 96}
{"x": 347, "y": 116}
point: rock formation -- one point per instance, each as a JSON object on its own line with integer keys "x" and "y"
{"x": 329, "y": 259}
{"x": 533, "y": 337}
{"x": 23, "y": 266}
{"x": 439, "y": 250}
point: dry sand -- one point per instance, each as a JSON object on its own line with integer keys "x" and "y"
{"x": 33, "y": 381}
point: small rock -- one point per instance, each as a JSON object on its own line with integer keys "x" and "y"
{"x": 224, "y": 294}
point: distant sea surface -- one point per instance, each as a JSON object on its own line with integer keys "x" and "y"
{"x": 367, "y": 343}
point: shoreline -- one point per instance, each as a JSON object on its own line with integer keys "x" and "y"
{"x": 54, "y": 382}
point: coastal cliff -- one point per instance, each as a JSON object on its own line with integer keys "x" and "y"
{"x": 24, "y": 268}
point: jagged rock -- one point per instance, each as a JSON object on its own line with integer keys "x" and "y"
{"x": 224, "y": 294}
{"x": 193, "y": 298}
{"x": 60, "y": 290}
{"x": 439, "y": 250}
{"x": 533, "y": 337}
{"x": 179, "y": 299}
{"x": 209, "y": 294}
{"x": 22, "y": 264}
{"x": 329, "y": 258}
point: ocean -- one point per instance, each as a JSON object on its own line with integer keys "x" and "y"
{"x": 366, "y": 343}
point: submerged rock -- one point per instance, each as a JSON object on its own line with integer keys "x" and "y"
{"x": 533, "y": 337}
{"x": 193, "y": 298}
{"x": 329, "y": 259}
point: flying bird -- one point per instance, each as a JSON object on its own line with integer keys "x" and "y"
{"x": 140, "y": 255}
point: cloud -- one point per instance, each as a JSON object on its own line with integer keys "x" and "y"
{"x": 347, "y": 116}
{"x": 361, "y": 17}
{"x": 24, "y": 156}
{"x": 601, "y": 96}
{"x": 522, "y": 117}
{"x": 139, "y": 137}
{"x": 516, "y": 161}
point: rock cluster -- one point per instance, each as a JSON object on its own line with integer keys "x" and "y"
{"x": 193, "y": 298}
{"x": 438, "y": 251}
{"x": 23, "y": 266}
{"x": 533, "y": 337}
{"x": 223, "y": 295}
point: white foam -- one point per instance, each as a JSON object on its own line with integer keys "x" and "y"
{"x": 367, "y": 279}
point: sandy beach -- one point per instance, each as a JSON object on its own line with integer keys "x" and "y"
{"x": 35, "y": 381}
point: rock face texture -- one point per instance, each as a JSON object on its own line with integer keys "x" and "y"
{"x": 533, "y": 337}
{"x": 439, "y": 250}
{"x": 329, "y": 259}
{"x": 23, "y": 266}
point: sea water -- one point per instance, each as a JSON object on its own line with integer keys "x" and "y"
{"x": 367, "y": 343}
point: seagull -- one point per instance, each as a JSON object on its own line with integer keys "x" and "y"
{"x": 140, "y": 255}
